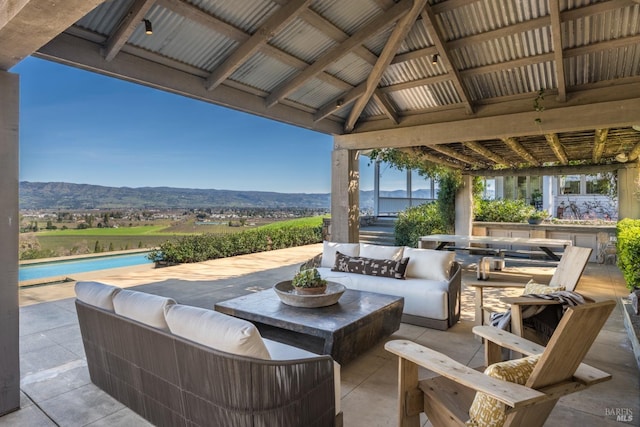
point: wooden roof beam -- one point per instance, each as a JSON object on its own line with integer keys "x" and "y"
{"x": 399, "y": 33}
{"x": 132, "y": 19}
{"x": 599, "y": 142}
{"x": 431, "y": 158}
{"x": 556, "y": 37}
{"x": 201, "y": 17}
{"x": 376, "y": 25}
{"x": 382, "y": 101}
{"x": 635, "y": 151}
{"x": 558, "y": 150}
{"x": 274, "y": 24}
{"x": 519, "y": 149}
{"x": 339, "y": 102}
{"x": 429, "y": 21}
{"x": 478, "y": 148}
{"x": 447, "y": 151}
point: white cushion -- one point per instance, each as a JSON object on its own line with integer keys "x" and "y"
{"x": 280, "y": 351}
{"x": 428, "y": 263}
{"x": 422, "y": 297}
{"x": 329, "y": 252}
{"x": 216, "y": 330}
{"x": 381, "y": 252}
{"x": 142, "y": 307}
{"x": 97, "y": 294}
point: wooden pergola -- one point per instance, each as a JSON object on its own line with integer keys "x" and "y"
{"x": 484, "y": 86}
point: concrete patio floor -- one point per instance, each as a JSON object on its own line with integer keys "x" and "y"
{"x": 56, "y": 389}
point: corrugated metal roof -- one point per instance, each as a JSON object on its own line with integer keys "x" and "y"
{"x": 263, "y": 72}
{"x": 409, "y": 71}
{"x": 105, "y": 18}
{"x": 424, "y": 97}
{"x": 247, "y": 15}
{"x": 350, "y": 15}
{"x": 315, "y": 93}
{"x": 303, "y": 41}
{"x": 351, "y": 69}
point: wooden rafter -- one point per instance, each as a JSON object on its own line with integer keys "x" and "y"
{"x": 635, "y": 151}
{"x": 399, "y": 33}
{"x": 382, "y": 101}
{"x": 455, "y": 155}
{"x": 599, "y": 142}
{"x": 558, "y": 150}
{"x": 339, "y": 102}
{"x": 519, "y": 149}
{"x": 326, "y": 27}
{"x": 556, "y": 34}
{"x": 478, "y": 148}
{"x": 276, "y": 22}
{"x": 201, "y": 17}
{"x": 367, "y": 31}
{"x": 132, "y": 19}
{"x": 431, "y": 158}
{"x": 429, "y": 21}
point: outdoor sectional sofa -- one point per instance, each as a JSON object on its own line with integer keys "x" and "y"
{"x": 430, "y": 285}
{"x": 178, "y": 365}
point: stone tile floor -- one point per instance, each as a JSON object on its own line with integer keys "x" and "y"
{"x": 56, "y": 389}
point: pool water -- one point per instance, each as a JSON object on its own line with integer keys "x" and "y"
{"x": 65, "y": 268}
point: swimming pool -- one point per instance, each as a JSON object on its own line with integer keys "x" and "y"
{"x": 83, "y": 265}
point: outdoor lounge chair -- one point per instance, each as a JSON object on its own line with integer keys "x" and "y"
{"x": 567, "y": 274}
{"x": 520, "y": 392}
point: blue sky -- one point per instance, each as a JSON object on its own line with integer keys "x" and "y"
{"x": 85, "y": 128}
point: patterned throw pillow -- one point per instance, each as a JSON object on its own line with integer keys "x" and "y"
{"x": 539, "y": 289}
{"x": 371, "y": 266}
{"x": 487, "y": 411}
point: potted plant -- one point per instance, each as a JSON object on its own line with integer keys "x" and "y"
{"x": 536, "y": 217}
{"x": 309, "y": 282}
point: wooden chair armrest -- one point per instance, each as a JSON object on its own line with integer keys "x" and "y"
{"x": 529, "y": 301}
{"x": 513, "y": 395}
{"x": 489, "y": 284}
{"x": 585, "y": 374}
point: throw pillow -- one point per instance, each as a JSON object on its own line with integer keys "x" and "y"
{"x": 142, "y": 307}
{"x": 329, "y": 250}
{"x": 488, "y": 411}
{"x": 371, "y": 266}
{"x": 216, "y": 330}
{"x": 429, "y": 263}
{"x": 380, "y": 251}
{"x": 97, "y": 294}
{"x": 538, "y": 289}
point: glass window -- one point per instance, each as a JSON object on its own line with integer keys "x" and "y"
{"x": 597, "y": 184}
{"x": 570, "y": 184}
{"x": 489, "y": 189}
{"x": 393, "y": 182}
{"x": 421, "y": 186}
{"x": 509, "y": 187}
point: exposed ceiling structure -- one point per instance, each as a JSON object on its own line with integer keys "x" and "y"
{"x": 473, "y": 84}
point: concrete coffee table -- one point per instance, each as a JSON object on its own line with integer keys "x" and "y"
{"x": 344, "y": 330}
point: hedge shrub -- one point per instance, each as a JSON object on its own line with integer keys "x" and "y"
{"x": 418, "y": 221}
{"x": 628, "y": 247}
{"x": 502, "y": 210}
{"x": 203, "y": 247}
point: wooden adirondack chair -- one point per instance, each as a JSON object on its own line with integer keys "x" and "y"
{"x": 567, "y": 274}
{"x": 559, "y": 371}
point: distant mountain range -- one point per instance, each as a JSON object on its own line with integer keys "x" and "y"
{"x": 64, "y": 195}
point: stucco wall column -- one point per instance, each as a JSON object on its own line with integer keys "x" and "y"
{"x": 464, "y": 207}
{"x": 629, "y": 192}
{"x": 345, "y": 198}
{"x": 9, "y": 338}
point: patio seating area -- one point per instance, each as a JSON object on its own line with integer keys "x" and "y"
{"x": 56, "y": 389}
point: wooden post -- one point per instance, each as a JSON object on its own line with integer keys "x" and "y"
{"x": 345, "y": 200}
{"x": 408, "y": 394}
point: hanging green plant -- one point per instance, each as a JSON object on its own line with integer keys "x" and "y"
{"x": 537, "y": 105}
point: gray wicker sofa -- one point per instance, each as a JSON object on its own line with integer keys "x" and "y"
{"x": 175, "y": 381}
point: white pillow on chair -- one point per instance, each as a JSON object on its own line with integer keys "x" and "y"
{"x": 329, "y": 250}
{"x": 428, "y": 263}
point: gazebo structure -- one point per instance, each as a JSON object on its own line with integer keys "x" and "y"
{"x": 477, "y": 85}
